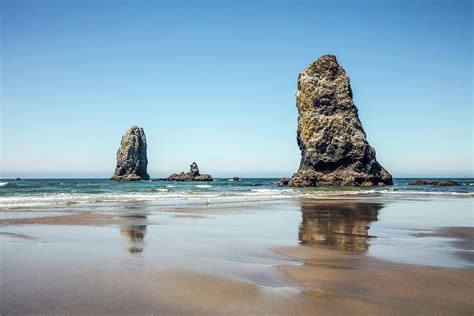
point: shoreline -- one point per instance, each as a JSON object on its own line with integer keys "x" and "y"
{"x": 99, "y": 193}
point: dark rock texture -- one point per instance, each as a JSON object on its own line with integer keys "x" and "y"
{"x": 333, "y": 144}
{"x": 131, "y": 157}
{"x": 441, "y": 183}
{"x": 284, "y": 182}
{"x": 445, "y": 183}
{"x": 419, "y": 182}
{"x": 192, "y": 175}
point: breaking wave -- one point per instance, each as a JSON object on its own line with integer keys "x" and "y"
{"x": 77, "y": 192}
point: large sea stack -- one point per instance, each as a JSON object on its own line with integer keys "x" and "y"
{"x": 131, "y": 157}
{"x": 192, "y": 175}
{"x": 333, "y": 144}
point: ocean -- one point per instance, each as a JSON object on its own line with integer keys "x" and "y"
{"x": 33, "y": 193}
{"x": 132, "y": 247}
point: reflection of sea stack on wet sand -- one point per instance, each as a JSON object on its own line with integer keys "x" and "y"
{"x": 342, "y": 225}
{"x": 135, "y": 235}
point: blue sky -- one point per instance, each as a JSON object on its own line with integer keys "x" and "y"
{"x": 214, "y": 82}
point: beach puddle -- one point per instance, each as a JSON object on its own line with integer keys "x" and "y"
{"x": 434, "y": 233}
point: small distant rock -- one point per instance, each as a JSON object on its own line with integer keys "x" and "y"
{"x": 446, "y": 183}
{"x": 284, "y": 182}
{"x": 235, "y": 178}
{"x": 131, "y": 157}
{"x": 192, "y": 175}
{"x": 419, "y": 182}
{"x": 441, "y": 183}
{"x": 203, "y": 177}
{"x": 194, "y": 170}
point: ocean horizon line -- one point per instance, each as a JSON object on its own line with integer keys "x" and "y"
{"x": 220, "y": 177}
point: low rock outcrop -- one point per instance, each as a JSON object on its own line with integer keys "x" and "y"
{"x": 441, "y": 183}
{"x": 419, "y": 182}
{"x": 131, "y": 157}
{"x": 192, "y": 175}
{"x": 445, "y": 183}
{"x": 333, "y": 144}
{"x": 283, "y": 182}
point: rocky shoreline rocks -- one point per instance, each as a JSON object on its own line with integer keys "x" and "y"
{"x": 192, "y": 175}
{"x": 132, "y": 161}
{"x": 333, "y": 143}
{"x": 132, "y": 158}
{"x": 284, "y": 182}
{"x": 441, "y": 183}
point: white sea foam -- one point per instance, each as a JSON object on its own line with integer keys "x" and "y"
{"x": 203, "y": 186}
{"x": 268, "y": 191}
{"x": 200, "y": 196}
{"x": 3, "y": 184}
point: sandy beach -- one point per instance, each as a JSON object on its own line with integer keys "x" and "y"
{"x": 236, "y": 157}
{"x": 218, "y": 259}
{"x": 371, "y": 286}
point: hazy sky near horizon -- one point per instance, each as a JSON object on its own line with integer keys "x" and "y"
{"x": 215, "y": 81}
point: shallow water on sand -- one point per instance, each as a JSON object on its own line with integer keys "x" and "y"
{"x": 434, "y": 232}
{"x": 130, "y": 244}
{"x": 410, "y": 231}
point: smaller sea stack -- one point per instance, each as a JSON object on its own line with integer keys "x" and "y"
{"x": 131, "y": 157}
{"x": 192, "y": 175}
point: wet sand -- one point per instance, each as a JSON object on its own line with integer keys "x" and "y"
{"x": 287, "y": 258}
{"x": 363, "y": 285}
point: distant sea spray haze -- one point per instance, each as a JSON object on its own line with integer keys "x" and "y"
{"x": 46, "y": 193}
